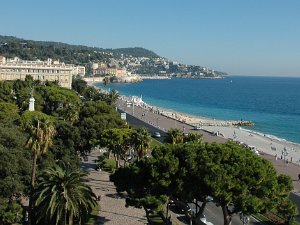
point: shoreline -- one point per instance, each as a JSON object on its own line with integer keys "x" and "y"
{"x": 265, "y": 143}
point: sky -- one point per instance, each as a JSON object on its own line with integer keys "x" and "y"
{"x": 240, "y": 37}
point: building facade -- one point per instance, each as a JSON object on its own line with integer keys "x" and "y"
{"x": 13, "y": 69}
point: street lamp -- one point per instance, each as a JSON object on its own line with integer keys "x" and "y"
{"x": 285, "y": 154}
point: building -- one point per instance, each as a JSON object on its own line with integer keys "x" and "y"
{"x": 102, "y": 70}
{"x": 15, "y": 68}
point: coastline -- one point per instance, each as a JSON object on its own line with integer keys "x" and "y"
{"x": 264, "y": 143}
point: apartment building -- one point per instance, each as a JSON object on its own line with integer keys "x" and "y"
{"x": 15, "y": 68}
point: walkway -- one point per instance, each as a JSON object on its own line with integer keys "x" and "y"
{"x": 112, "y": 207}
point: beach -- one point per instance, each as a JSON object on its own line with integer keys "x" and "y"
{"x": 284, "y": 155}
{"x": 220, "y": 128}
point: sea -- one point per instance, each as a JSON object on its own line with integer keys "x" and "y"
{"x": 271, "y": 103}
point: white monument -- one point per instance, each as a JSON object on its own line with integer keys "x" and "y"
{"x": 31, "y": 102}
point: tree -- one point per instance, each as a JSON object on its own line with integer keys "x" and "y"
{"x": 6, "y": 91}
{"x": 118, "y": 142}
{"x": 238, "y": 180}
{"x": 79, "y": 85}
{"x": 105, "y": 81}
{"x": 58, "y": 101}
{"x": 175, "y": 136}
{"x": 41, "y": 132}
{"x": 62, "y": 196}
{"x": 141, "y": 140}
{"x": 14, "y": 161}
{"x": 10, "y": 212}
{"x": 112, "y": 97}
{"x": 94, "y": 118}
{"x": 9, "y": 113}
{"x": 198, "y": 138}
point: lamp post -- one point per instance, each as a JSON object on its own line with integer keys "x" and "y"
{"x": 285, "y": 154}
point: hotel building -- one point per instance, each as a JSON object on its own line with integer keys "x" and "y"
{"x": 13, "y": 69}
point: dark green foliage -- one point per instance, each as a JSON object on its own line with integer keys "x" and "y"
{"x": 9, "y": 113}
{"x": 59, "y": 101}
{"x": 14, "y": 162}
{"x": 10, "y": 212}
{"x": 94, "y": 118}
{"x": 74, "y": 54}
{"x": 79, "y": 85}
{"x": 62, "y": 196}
{"x": 237, "y": 179}
{"x": 6, "y": 91}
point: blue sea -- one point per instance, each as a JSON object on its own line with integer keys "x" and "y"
{"x": 272, "y": 103}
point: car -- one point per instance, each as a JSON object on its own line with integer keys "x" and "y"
{"x": 156, "y": 134}
{"x": 197, "y": 128}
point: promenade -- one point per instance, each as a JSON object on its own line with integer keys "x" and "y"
{"x": 164, "y": 123}
{"x": 112, "y": 207}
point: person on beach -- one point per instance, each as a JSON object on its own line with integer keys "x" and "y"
{"x": 276, "y": 157}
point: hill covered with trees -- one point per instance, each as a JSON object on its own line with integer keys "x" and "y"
{"x": 76, "y": 54}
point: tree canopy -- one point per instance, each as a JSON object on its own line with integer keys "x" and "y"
{"x": 237, "y": 179}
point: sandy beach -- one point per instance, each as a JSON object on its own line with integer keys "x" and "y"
{"x": 282, "y": 153}
{"x": 226, "y": 129}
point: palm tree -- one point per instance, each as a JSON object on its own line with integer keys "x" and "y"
{"x": 175, "y": 136}
{"x": 40, "y": 138}
{"x": 62, "y": 196}
{"x": 141, "y": 139}
{"x": 113, "y": 97}
{"x": 105, "y": 80}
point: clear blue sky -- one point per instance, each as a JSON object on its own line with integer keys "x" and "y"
{"x": 241, "y": 37}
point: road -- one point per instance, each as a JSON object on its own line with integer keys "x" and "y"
{"x": 137, "y": 123}
{"x": 213, "y": 214}
{"x": 292, "y": 170}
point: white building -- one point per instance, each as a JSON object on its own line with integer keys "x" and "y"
{"x": 13, "y": 69}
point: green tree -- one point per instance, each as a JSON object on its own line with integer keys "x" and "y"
{"x": 141, "y": 139}
{"x": 79, "y": 85}
{"x": 14, "y": 161}
{"x": 94, "y": 118}
{"x": 41, "y": 132}
{"x": 58, "y": 101}
{"x": 117, "y": 140}
{"x": 9, "y": 113}
{"x": 105, "y": 81}
{"x": 6, "y": 91}
{"x": 198, "y": 138}
{"x": 112, "y": 97}
{"x": 63, "y": 197}
{"x": 238, "y": 180}
{"x": 10, "y": 212}
{"x": 174, "y": 136}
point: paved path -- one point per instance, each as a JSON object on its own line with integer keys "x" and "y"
{"x": 165, "y": 123}
{"x": 112, "y": 207}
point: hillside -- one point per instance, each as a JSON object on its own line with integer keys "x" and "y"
{"x": 136, "y": 60}
{"x": 77, "y": 54}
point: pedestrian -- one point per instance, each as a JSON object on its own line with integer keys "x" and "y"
{"x": 276, "y": 157}
{"x": 299, "y": 176}
{"x": 99, "y": 198}
{"x": 281, "y": 156}
{"x": 291, "y": 159}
